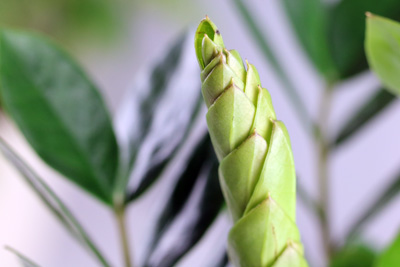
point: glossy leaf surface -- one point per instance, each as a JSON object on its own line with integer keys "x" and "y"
{"x": 197, "y": 198}
{"x": 157, "y": 115}
{"x": 382, "y": 46}
{"x": 59, "y": 111}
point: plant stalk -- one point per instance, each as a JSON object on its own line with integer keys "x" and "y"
{"x": 121, "y": 221}
{"x": 323, "y": 151}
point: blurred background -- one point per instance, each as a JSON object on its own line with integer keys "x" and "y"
{"x": 115, "y": 41}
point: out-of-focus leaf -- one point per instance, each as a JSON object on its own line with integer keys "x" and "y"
{"x": 367, "y": 111}
{"x": 157, "y": 116}
{"x": 384, "y": 198}
{"x": 391, "y": 256}
{"x": 182, "y": 190}
{"x": 309, "y": 20}
{"x": 52, "y": 202}
{"x": 194, "y": 204}
{"x": 74, "y": 21}
{"x": 354, "y": 256}
{"x": 59, "y": 111}
{"x": 25, "y": 261}
{"x": 347, "y": 28}
{"x": 382, "y": 46}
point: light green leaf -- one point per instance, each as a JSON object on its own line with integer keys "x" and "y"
{"x": 291, "y": 256}
{"x": 221, "y": 124}
{"x": 206, "y": 27}
{"x": 239, "y": 173}
{"x": 257, "y": 238}
{"x": 383, "y": 50}
{"x": 391, "y": 256}
{"x": 59, "y": 111}
{"x": 278, "y": 163}
{"x": 52, "y": 201}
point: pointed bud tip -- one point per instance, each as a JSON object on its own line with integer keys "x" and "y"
{"x": 369, "y": 14}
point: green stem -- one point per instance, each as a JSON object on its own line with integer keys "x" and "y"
{"x": 289, "y": 88}
{"x": 323, "y": 152}
{"x": 121, "y": 221}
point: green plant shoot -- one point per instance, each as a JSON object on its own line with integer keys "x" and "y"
{"x": 256, "y": 171}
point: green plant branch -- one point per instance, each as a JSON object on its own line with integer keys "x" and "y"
{"x": 323, "y": 151}
{"x": 289, "y": 88}
{"x": 121, "y": 222}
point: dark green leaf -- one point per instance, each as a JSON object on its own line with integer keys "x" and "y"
{"x": 52, "y": 201}
{"x": 367, "y": 111}
{"x": 158, "y": 115}
{"x": 59, "y": 111}
{"x": 382, "y": 46}
{"x": 391, "y": 256}
{"x": 197, "y": 192}
{"x": 309, "y": 20}
{"x": 347, "y": 31}
{"x": 384, "y": 198}
{"x": 354, "y": 256}
{"x": 25, "y": 261}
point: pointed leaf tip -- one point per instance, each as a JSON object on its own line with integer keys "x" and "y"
{"x": 206, "y": 27}
{"x": 368, "y": 14}
{"x": 383, "y": 50}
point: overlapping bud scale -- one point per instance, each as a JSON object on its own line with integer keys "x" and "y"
{"x": 256, "y": 170}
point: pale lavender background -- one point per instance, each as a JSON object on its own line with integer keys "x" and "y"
{"x": 360, "y": 169}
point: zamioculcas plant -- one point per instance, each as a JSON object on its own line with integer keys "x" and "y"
{"x": 256, "y": 171}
